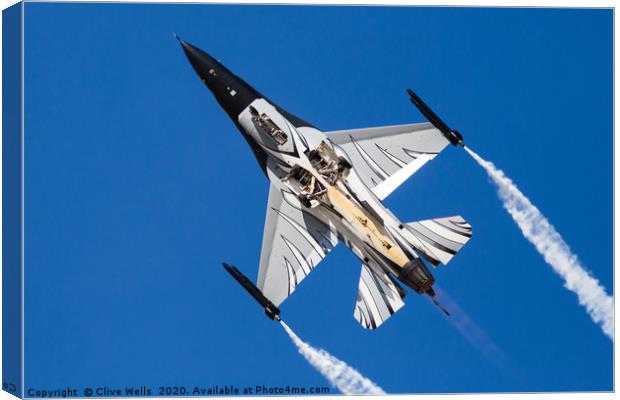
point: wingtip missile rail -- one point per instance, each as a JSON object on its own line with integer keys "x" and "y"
{"x": 452, "y": 135}
{"x": 271, "y": 310}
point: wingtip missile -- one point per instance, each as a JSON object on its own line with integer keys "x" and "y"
{"x": 271, "y": 310}
{"x": 453, "y": 136}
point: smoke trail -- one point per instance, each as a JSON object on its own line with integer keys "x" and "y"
{"x": 537, "y": 229}
{"x": 338, "y": 373}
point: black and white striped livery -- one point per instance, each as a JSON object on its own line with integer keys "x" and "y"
{"x": 441, "y": 238}
{"x": 327, "y": 188}
{"x": 377, "y": 298}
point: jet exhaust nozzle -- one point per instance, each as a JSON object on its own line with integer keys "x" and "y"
{"x": 453, "y": 136}
{"x": 417, "y": 276}
{"x": 271, "y": 310}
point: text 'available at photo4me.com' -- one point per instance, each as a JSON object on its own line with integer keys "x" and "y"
{"x": 173, "y": 391}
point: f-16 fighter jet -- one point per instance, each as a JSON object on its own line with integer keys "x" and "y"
{"x": 327, "y": 187}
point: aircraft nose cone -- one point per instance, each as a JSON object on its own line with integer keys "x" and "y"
{"x": 205, "y": 66}
{"x": 233, "y": 94}
{"x": 230, "y": 91}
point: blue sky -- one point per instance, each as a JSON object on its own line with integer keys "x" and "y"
{"x": 138, "y": 186}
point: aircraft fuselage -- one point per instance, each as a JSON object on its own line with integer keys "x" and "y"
{"x": 303, "y": 162}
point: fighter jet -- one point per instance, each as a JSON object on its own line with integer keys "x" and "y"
{"x": 327, "y": 188}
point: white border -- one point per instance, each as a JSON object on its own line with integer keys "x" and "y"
{"x": 480, "y": 3}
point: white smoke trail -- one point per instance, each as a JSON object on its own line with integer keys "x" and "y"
{"x": 338, "y": 373}
{"x": 537, "y": 229}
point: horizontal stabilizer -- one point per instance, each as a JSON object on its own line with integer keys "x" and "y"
{"x": 440, "y": 238}
{"x": 377, "y": 298}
